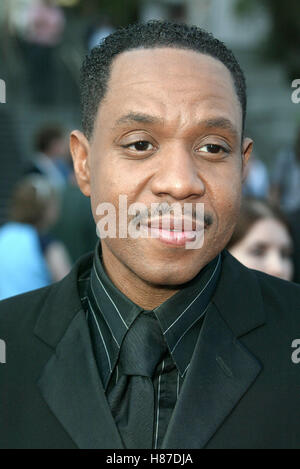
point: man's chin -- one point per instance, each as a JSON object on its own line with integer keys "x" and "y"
{"x": 170, "y": 276}
{"x": 157, "y": 267}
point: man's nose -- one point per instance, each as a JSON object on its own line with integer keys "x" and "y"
{"x": 178, "y": 175}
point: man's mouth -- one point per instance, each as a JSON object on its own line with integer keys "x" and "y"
{"x": 173, "y": 224}
{"x": 176, "y": 232}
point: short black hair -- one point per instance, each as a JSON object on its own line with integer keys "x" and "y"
{"x": 95, "y": 71}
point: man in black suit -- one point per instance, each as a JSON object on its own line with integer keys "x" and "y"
{"x": 151, "y": 343}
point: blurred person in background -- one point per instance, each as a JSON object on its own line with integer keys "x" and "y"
{"x": 51, "y": 159}
{"x": 43, "y": 29}
{"x": 75, "y": 217}
{"x": 53, "y": 164}
{"x": 45, "y": 23}
{"x": 29, "y": 258}
{"x": 262, "y": 240}
{"x": 285, "y": 189}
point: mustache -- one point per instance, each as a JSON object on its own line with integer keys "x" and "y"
{"x": 165, "y": 208}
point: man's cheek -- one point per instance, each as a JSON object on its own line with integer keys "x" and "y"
{"x": 229, "y": 207}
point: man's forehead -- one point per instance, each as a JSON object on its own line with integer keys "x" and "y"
{"x": 184, "y": 75}
{"x": 164, "y": 81}
{"x": 162, "y": 61}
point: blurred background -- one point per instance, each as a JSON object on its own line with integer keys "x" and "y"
{"x": 43, "y": 43}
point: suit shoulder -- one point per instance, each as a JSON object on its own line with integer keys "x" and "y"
{"x": 281, "y": 300}
{"x": 27, "y": 307}
{"x": 272, "y": 288}
{"x": 21, "y": 311}
{"x": 278, "y": 287}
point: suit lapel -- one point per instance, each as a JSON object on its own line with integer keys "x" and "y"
{"x": 220, "y": 373}
{"x": 70, "y": 383}
{"x": 222, "y": 368}
{"x": 71, "y": 386}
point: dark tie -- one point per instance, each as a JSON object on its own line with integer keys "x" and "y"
{"x": 132, "y": 397}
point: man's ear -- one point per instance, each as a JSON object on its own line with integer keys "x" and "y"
{"x": 246, "y": 153}
{"x": 80, "y": 150}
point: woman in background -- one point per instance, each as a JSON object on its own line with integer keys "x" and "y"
{"x": 29, "y": 258}
{"x": 262, "y": 240}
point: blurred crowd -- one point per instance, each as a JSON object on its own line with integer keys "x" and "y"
{"x": 49, "y": 223}
{"x": 267, "y": 235}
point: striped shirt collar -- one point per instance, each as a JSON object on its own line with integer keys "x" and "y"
{"x": 112, "y": 314}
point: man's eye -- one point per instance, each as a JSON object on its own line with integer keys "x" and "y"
{"x": 141, "y": 145}
{"x": 213, "y": 148}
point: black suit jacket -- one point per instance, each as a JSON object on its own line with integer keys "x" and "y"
{"x": 242, "y": 389}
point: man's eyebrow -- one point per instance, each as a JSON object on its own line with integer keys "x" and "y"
{"x": 220, "y": 123}
{"x": 143, "y": 118}
{"x": 139, "y": 117}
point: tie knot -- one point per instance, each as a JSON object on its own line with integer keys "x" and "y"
{"x": 143, "y": 347}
